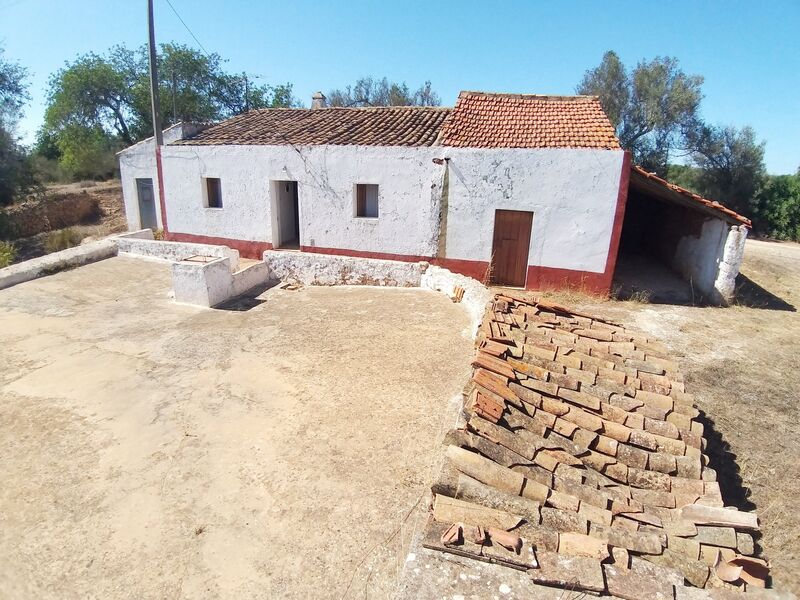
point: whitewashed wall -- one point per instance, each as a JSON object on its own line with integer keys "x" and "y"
{"x": 139, "y": 161}
{"x": 572, "y": 193}
{"x": 326, "y": 176}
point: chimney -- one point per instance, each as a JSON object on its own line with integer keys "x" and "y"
{"x": 318, "y": 100}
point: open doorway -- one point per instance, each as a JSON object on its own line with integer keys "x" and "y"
{"x": 285, "y": 215}
{"x": 147, "y": 204}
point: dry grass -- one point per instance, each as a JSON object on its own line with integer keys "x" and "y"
{"x": 742, "y": 364}
{"x": 62, "y": 239}
{"x": 8, "y": 252}
{"x": 568, "y": 296}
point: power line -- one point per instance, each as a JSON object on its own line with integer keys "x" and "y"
{"x": 187, "y": 28}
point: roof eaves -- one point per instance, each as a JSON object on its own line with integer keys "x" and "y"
{"x": 705, "y": 204}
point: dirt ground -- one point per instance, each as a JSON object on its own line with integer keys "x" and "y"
{"x": 112, "y": 216}
{"x": 153, "y": 450}
{"x": 742, "y": 363}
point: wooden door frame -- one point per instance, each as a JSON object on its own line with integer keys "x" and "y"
{"x": 527, "y": 232}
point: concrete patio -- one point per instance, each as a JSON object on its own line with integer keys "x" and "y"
{"x": 150, "y": 449}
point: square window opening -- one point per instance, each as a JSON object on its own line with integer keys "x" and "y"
{"x": 367, "y": 200}
{"x": 212, "y": 192}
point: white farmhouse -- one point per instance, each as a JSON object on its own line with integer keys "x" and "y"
{"x": 517, "y": 190}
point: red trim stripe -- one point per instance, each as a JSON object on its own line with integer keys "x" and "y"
{"x": 246, "y": 248}
{"x": 619, "y": 219}
{"x": 161, "y": 199}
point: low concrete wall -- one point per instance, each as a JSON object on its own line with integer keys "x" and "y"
{"x": 252, "y": 276}
{"x": 310, "y": 268}
{"x": 202, "y": 284}
{"x": 57, "y": 261}
{"x": 141, "y": 243}
{"x": 476, "y": 295}
{"x": 212, "y": 283}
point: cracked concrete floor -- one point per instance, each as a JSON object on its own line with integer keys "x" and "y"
{"x": 149, "y": 449}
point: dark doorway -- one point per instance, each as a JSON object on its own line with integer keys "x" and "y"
{"x": 286, "y": 207}
{"x": 147, "y": 204}
{"x": 512, "y": 240}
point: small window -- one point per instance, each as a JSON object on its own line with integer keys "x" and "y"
{"x": 367, "y": 200}
{"x": 212, "y": 192}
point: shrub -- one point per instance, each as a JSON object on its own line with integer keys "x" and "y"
{"x": 8, "y": 252}
{"x": 62, "y": 239}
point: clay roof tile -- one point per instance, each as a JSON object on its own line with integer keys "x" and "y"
{"x": 375, "y": 126}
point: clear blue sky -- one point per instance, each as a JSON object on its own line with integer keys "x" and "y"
{"x": 749, "y": 52}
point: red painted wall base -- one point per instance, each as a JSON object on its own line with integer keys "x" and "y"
{"x": 538, "y": 277}
{"x": 246, "y": 249}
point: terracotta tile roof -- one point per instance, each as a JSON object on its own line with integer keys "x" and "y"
{"x": 384, "y": 126}
{"x": 689, "y": 195}
{"x": 581, "y": 459}
{"x": 483, "y": 120}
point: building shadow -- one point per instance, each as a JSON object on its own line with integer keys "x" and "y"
{"x": 752, "y": 295}
{"x": 722, "y": 459}
{"x": 639, "y": 277}
{"x": 645, "y": 279}
{"x": 249, "y": 300}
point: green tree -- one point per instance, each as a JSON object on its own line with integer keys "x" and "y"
{"x": 87, "y": 152}
{"x": 94, "y": 91}
{"x": 685, "y": 176}
{"x": 13, "y": 90}
{"x": 777, "y": 212}
{"x": 653, "y": 107}
{"x": 16, "y": 176}
{"x": 109, "y": 95}
{"x": 731, "y": 165}
{"x": 369, "y": 91}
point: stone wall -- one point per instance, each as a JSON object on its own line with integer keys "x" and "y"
{"x": 310, "y": 268}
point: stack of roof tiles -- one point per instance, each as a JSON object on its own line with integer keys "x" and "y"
{"x": 581, "y": 461}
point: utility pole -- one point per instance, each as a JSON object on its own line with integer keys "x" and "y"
{"x": 246, "y": 93}
{"x": 174, "y": 103}
{"x": 154, "y": 102}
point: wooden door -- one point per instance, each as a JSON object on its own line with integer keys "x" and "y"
{"x": 512, "y": 239}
